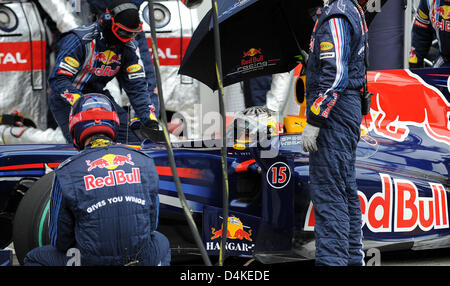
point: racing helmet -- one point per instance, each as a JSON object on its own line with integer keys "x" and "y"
{"x": 253, "y": 124}
{"x": 91, "y": 114}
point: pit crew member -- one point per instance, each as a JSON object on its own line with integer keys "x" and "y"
{"x": 104, "y": 200}
{"x": 99, "y": 7}
{"x": 89, "y": 56}
{"x": 432, "y": 21}
{"x": 335, "y": 76}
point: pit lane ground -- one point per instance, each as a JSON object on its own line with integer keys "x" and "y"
{"x": 433, "y": 257}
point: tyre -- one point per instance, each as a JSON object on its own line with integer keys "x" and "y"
{"x": 30, "y": 225}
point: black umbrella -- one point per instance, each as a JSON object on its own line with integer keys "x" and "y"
{"x": 257, "y": 37}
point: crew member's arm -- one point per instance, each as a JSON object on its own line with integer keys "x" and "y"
{"x": 422, "y": 36}
{"x": 67, "y": 77}
{"x": 65, "y": 19}
{"x": 61, "y": 224}
{"x": 154, "y": 198}
{"x": 134, "y": 82}
{"x": 149, "y": 70}
{"x": 334, "y": 39}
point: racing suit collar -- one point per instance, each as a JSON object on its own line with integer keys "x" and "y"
{"x": 99, "y": 141}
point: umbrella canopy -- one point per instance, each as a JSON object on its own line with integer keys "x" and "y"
{"x": 257, "y": 37}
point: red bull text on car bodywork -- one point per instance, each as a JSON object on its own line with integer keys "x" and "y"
{"x": 398, "y": 207}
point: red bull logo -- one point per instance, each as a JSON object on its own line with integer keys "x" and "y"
{"x": 70, "y": 97}
{"x": 315, "y": 107}
{"x": 254, "y": 60}
{"x": 108, "y": 57}
{"x": 252, "y": 56}
{"x": 411, "y": 103}
{"x": 109, "y": 161}
{"x": 399, "y": 208}
{"x": 235, "y": 230}
{"x": 444, "y": 12}
{"x": 252, "y": 52}
{"x": 442, "y": 24}
{"x": 412, "y": 56}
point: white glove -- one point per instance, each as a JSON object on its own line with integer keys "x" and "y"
{"x": 309, "y": 138}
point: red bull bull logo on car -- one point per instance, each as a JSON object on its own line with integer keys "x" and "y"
{"x": 235, "y": 231}
{"x": 116, "y": 177}
{"x": 399, "y": 208}
{"x": 414, "y": 103}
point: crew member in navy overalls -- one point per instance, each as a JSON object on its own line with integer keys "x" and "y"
{"x": 99, "y": 7}
{"x": 90, "y": 56}
{"x": 432, "y": 21}
{"x": 104, "y": 201}
{"x": 335, "y": 77}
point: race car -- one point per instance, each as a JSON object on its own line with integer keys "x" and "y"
{"x": 403, "y": 165}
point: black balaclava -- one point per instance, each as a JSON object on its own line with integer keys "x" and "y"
{"x": 128, "y": 18}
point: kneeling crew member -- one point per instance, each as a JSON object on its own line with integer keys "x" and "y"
{"x": 104, "y": 200}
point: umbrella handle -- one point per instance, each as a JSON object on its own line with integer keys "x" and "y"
{"x": 225, "y": 191}
{"x": 171, "y": 158}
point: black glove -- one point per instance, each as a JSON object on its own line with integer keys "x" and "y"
{"x": 11, "y": 119}
{"x": 150, "y": 129}
{"x": 16, "y": 119}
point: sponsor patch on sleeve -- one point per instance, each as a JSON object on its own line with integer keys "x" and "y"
{"x": 68, "y": 68}
{"x": 423, "y": 15}
{"x": 325, "y": 46}
{"x": 64, "y": 72}
{"x": 72, "y": 62}
{"x": 328, "y": 55}
{"x": 136, "y": 75}
{"x": 134, "y": 68}
{"x": 420, "y": 24}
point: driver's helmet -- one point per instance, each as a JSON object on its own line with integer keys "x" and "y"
{"x": 93, "y": 113}
{"x": 253, "y": 124}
